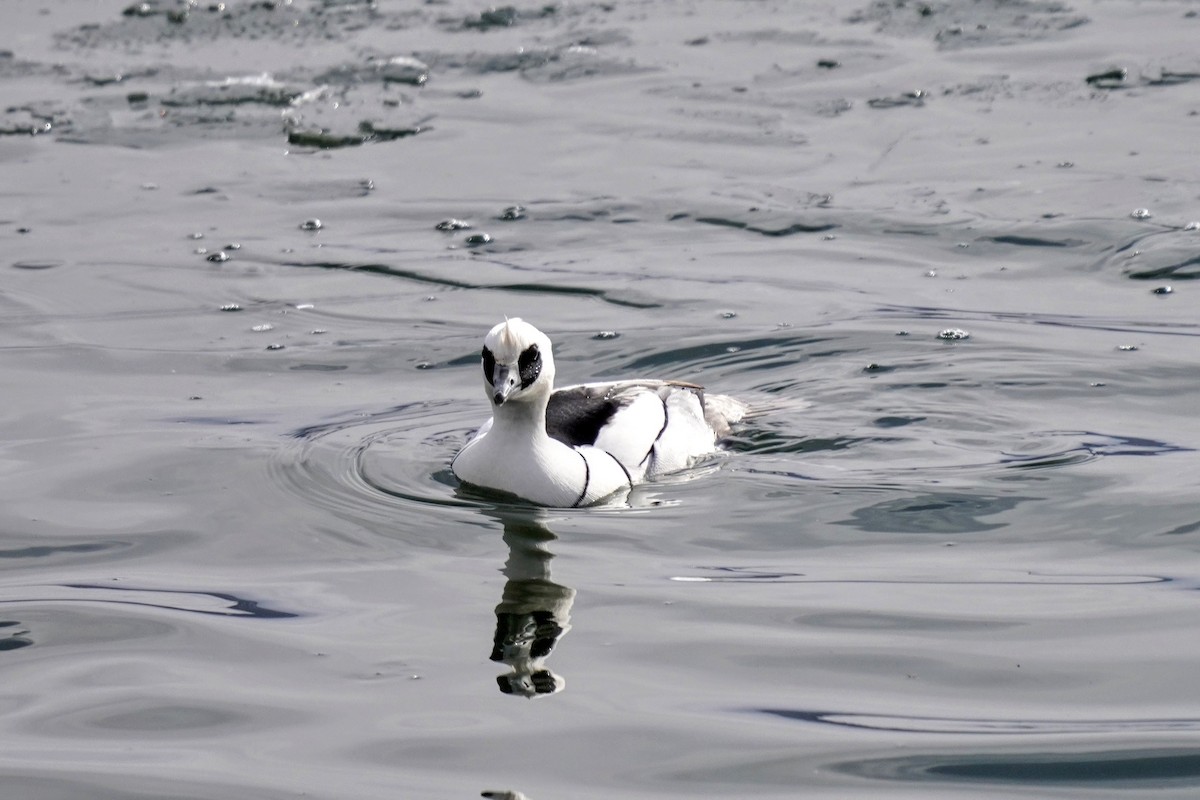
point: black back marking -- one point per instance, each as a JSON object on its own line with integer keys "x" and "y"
{"x": 489, "y": 366}
{"x": 529, "y": 365}
{"x": 575, "y": 416}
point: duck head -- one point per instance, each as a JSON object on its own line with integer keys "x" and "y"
{"x": 518, "y": 365}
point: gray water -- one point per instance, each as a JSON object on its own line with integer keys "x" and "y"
{"x": 234, "y": 563}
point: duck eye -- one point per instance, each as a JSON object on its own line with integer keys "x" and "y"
{"x": 529, "y": 365}
{"x": 489, "y": 366}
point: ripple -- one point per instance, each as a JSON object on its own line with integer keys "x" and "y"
{"x": 196, "y": 602}
{"x": 380, "y": 468}
{"x": 983, "y": 726}
{"x": 1148, "y": 767}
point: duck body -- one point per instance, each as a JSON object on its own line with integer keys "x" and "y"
{"x": 578, "y": 445}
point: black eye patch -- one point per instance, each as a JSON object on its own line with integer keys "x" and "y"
{"x": 489, "y": 366}
{"x": 529, "y": 365}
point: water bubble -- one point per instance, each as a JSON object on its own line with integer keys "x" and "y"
{"x": 231, "y": 307}
{"x": 1127, "y": 348}
{"x": 512, "y": 213}
{"x": 953, "y": 334}
{"x": 1192, "y": 226}
{"x": 728, "y": 314}
{"x": 1140, "y": 213}
{"x": 425, "y": 365}
{"x": 200, "y": 251}
{"x": 263, "y": 328}
{"x": 311, "y": 225}
{"x": 303, "y": 306}
{"x": 318, "y": 331}
{"x": 452, "y": 224}
{"x": 477, "y": 239}
{"x": 931, "y": 273}
{"x": 196, "y": 235}
{"x": 275, "y": 346}
{"x": 1163, "y": 290}
{"x": 233, "y": 246}
{"x": 1065, "y": 164}
{"x": 902, "y": 333}
{"x": 218, "y": 257}
{"x": 604, "y": 335}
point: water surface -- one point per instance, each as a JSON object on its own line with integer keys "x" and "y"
{"x": 946, "y": 250}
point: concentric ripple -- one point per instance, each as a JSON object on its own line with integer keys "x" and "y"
{"x": 380, "y": 469}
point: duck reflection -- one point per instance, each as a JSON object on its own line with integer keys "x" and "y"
{"x": 534, "y": 611}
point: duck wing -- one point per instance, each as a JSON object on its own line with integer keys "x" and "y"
{"x": 650, "y": 426}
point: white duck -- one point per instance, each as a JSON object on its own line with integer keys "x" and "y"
{"x": 580, "y": 444}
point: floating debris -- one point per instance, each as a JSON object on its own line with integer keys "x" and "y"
{"x": 231, "y": 307}
{"x": 311, "y": 225}
{"x": 1192, "y": 226}
{"x": 259, "y": 89}
{"x": 914, "y": 98}
{"x": 728, "y": 314}
{"x": 196, "y": 235}
{"x": 403, "y": 69}
{"x": 828, "y": 63}
{"x": 1164, "y": 290}
{"x": 512, "y": 214}
{"x": 477, "y": 239}
{"x": 453, "y": 224}
{"x": 1140, "y": 213}
{"x": 218, "y": 257}
{"x": 1109, "y": 79}
{"x": 953, "y": 334}
{"x": 266, "y": 326}
{"x": 605, "y": 335}
{"x": 367, "y": 131}
{"x": 1127, "y": 348}
{"x": 233, "y": 246}
{"x": 303, "y": 306}
{"x": 275, "y": 346}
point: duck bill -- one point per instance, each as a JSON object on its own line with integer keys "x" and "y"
{"x": 503, "y": 385}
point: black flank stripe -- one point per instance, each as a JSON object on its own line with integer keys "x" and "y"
{"x": 661, "y": 431}
{"x": 628, "y": 477}
{"x": 587, "y": 479}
